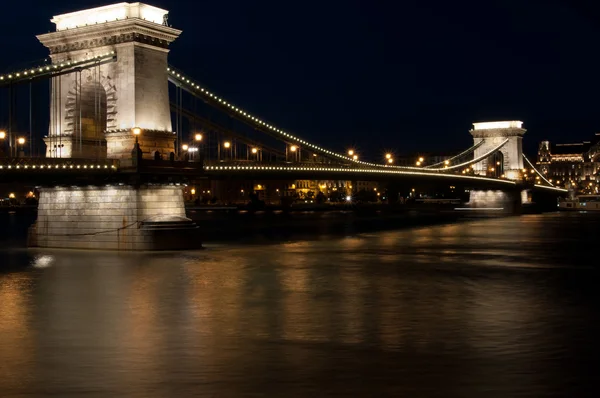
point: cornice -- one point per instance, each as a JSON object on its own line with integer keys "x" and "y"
{"x": 109, "y": 33}
{"x": 490, "y": 133}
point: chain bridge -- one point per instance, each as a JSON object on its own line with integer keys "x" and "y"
{"x": 128, "y": 132}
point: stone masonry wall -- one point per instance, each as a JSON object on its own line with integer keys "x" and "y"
{"x": 103, "y": 217}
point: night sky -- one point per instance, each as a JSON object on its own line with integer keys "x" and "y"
{"x": 402, "y": 75}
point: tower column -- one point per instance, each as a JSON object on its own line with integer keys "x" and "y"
{"x": 94, "y": 111}
{"x": 492, "y": 134}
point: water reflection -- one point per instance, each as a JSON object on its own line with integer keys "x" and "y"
{"x": 477, "y": 309}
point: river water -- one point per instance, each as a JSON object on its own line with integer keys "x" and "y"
{"x": 487, "y": 308}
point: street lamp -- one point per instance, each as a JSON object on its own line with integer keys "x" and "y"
{"x": 390, "y": 160}
{"x": 254, "y": 150}
{"x": 388, "y": 155}
{"x": 136, "y": 132}
{"x": 21, "y": 142}
{"x": 185, "y": 147}
{"x": 355, "y": 157}
{"x": 227, "y": 144}
{"x": 350, "y": 152}
{"x": 198, "y": 137}
{"x": 421, "y": 159}
{"x": 293, "y": 148}
{"x": 2, "y": 138}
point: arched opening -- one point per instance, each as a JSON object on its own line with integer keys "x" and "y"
{"x": 91, "y": 118}
{"x": 495, "y": 165}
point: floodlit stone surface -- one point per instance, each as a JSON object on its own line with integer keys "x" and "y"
{"x": 112, "y": 97}
{"x": 493, "y": 134}
{"x": 108, "y": 217}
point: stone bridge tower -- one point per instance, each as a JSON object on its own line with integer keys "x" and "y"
{"x": 93, "y": 111}
{"x": 508, "y": 161}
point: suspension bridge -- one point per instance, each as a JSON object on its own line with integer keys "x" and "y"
{"x": 124, "y": 123}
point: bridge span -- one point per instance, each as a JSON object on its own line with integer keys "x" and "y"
{"x": 119, "y": 149}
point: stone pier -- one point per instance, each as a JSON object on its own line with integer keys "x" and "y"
{"x": 150, "y": 217}
{"x": 509, "y": 202}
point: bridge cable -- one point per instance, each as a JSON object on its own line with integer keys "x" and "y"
{"x": 476, "y": 160}
{"x": 536, "y": 170}
{"x": 30, "y": 124}
{"x": 471, "y": 149}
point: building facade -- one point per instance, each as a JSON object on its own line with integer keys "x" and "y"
{"x": 575, "y": 165}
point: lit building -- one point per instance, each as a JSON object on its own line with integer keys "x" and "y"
{"x": 577, "y": 164}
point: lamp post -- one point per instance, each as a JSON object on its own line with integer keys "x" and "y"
{"x": 226, "y": 145}
{"x": 294, "y": 149}
{"x": 137, "y": 151}
{"x": 2, "y": 139}
{"x": 197, "y": 139}
{"x": 21, "y": 142}
{"x": 255, "y": 154}
{"x": 136, "y": 132}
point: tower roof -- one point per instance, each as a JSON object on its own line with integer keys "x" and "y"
{"x": 113, "y": 12}
{"x": 512, "y": 124}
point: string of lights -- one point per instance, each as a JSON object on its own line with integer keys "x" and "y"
{"x": 350, "y": 170}
{"x": 189, "y": 85}
{"x": 44, "y": 70}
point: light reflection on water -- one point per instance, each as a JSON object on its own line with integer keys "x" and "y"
{"x": 503, "y": 307}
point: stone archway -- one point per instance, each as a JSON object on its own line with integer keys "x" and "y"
{"x": 91, "y": 119}
{"x": 496, "y": 164}
{"x": 90, "y": 110}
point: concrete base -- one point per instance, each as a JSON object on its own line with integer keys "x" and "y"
{"x": 113, "y": 218}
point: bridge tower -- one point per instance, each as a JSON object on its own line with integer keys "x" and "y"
{"x": 509, "y": 158}
{"x": 93, "y": 112}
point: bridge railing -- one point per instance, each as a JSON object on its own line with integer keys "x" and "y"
{"x": 58, "y": 164}
{"x": 161, "y": 166}
{"x": 308, "y": 163}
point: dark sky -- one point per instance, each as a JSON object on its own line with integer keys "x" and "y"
{"x": 397, "y": 74}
